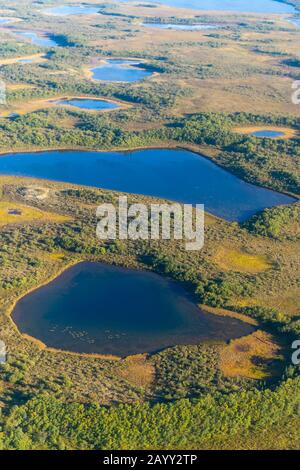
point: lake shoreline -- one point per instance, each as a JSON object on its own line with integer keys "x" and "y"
{"x": 48, "y": 103}
{"x": 42, "y": 346}
{"x": 101, "y": 62}
{"x": 209, "y": 311}
{"x": 207, "y": 154}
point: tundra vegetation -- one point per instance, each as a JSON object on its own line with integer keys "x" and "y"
{"x": 200, "y": 95}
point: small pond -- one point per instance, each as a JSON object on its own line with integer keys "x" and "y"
{"x": 115, "y": 70}
{"x": 268, "y": 133}
{"x": 87, "y": 103}
{"x": 39, "y": 39}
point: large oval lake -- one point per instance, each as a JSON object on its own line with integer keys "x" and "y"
{"x": 177, "y": 175}
{"x": 98, "y": 308}
{"x": 253, "y": 6}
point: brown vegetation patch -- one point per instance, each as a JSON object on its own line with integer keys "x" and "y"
{"x": 69, "y": 122}
{"x": 228, "y": 313}
{"x": 287, "y": 301}
{"x": 19, "y": 86}
{"x": 255, "y": 357}
{"x": 35, "y": 58}
{"x": 137, "y": 370}
{"x": 288, "y": 133}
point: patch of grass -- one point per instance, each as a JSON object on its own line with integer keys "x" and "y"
{"x": 229, "y": 259}
{"x": 19, "y": 86}
{"x": 56, "y": 256}
{"x": 15, "y": 213}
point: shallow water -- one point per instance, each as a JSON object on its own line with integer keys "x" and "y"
{"x": 98, "y": 308}
{"x": 6, "y": 20}
{"x": 267, "y": 133}
{"x": 88, "y": 103}
{"x": 67, "y": 10}
{"x": 295, "y": 21}
{"x": 180, "y": 27}
{"x": 176, "y": 175}
{"x": 38, "y": 39}
{"x": 120, "y": 71}
{"x": 25, "y": 61}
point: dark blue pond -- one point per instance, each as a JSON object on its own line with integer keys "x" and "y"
{"x": 180, "y": 27}
{"x": 97, "y": 308}
{"x": 66, "y": 10}
{"x": 253, "y": 6}
{"x": 41, "y": 40}
{"x": 176, "y": 175}
{"x": 267, "y": 133}
{"x": 120, "y": 71}
{"x": 88, "y": 103}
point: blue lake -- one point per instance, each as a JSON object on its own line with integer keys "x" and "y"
{"x": 176, "y": 175}
{"x": 6, "y": 20}
{"x": 253, "y": 6}
{"x": 98, "y": 308}
{"x": 66, "y": 10}
{"x": 88, "y": 103}
{"x": 294, "y": 20}
{"x": 114, "y": 70}
{"x": 180, "y": 27}
{"x": 41, "y": 40}
{"x": 268, "y": 133}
